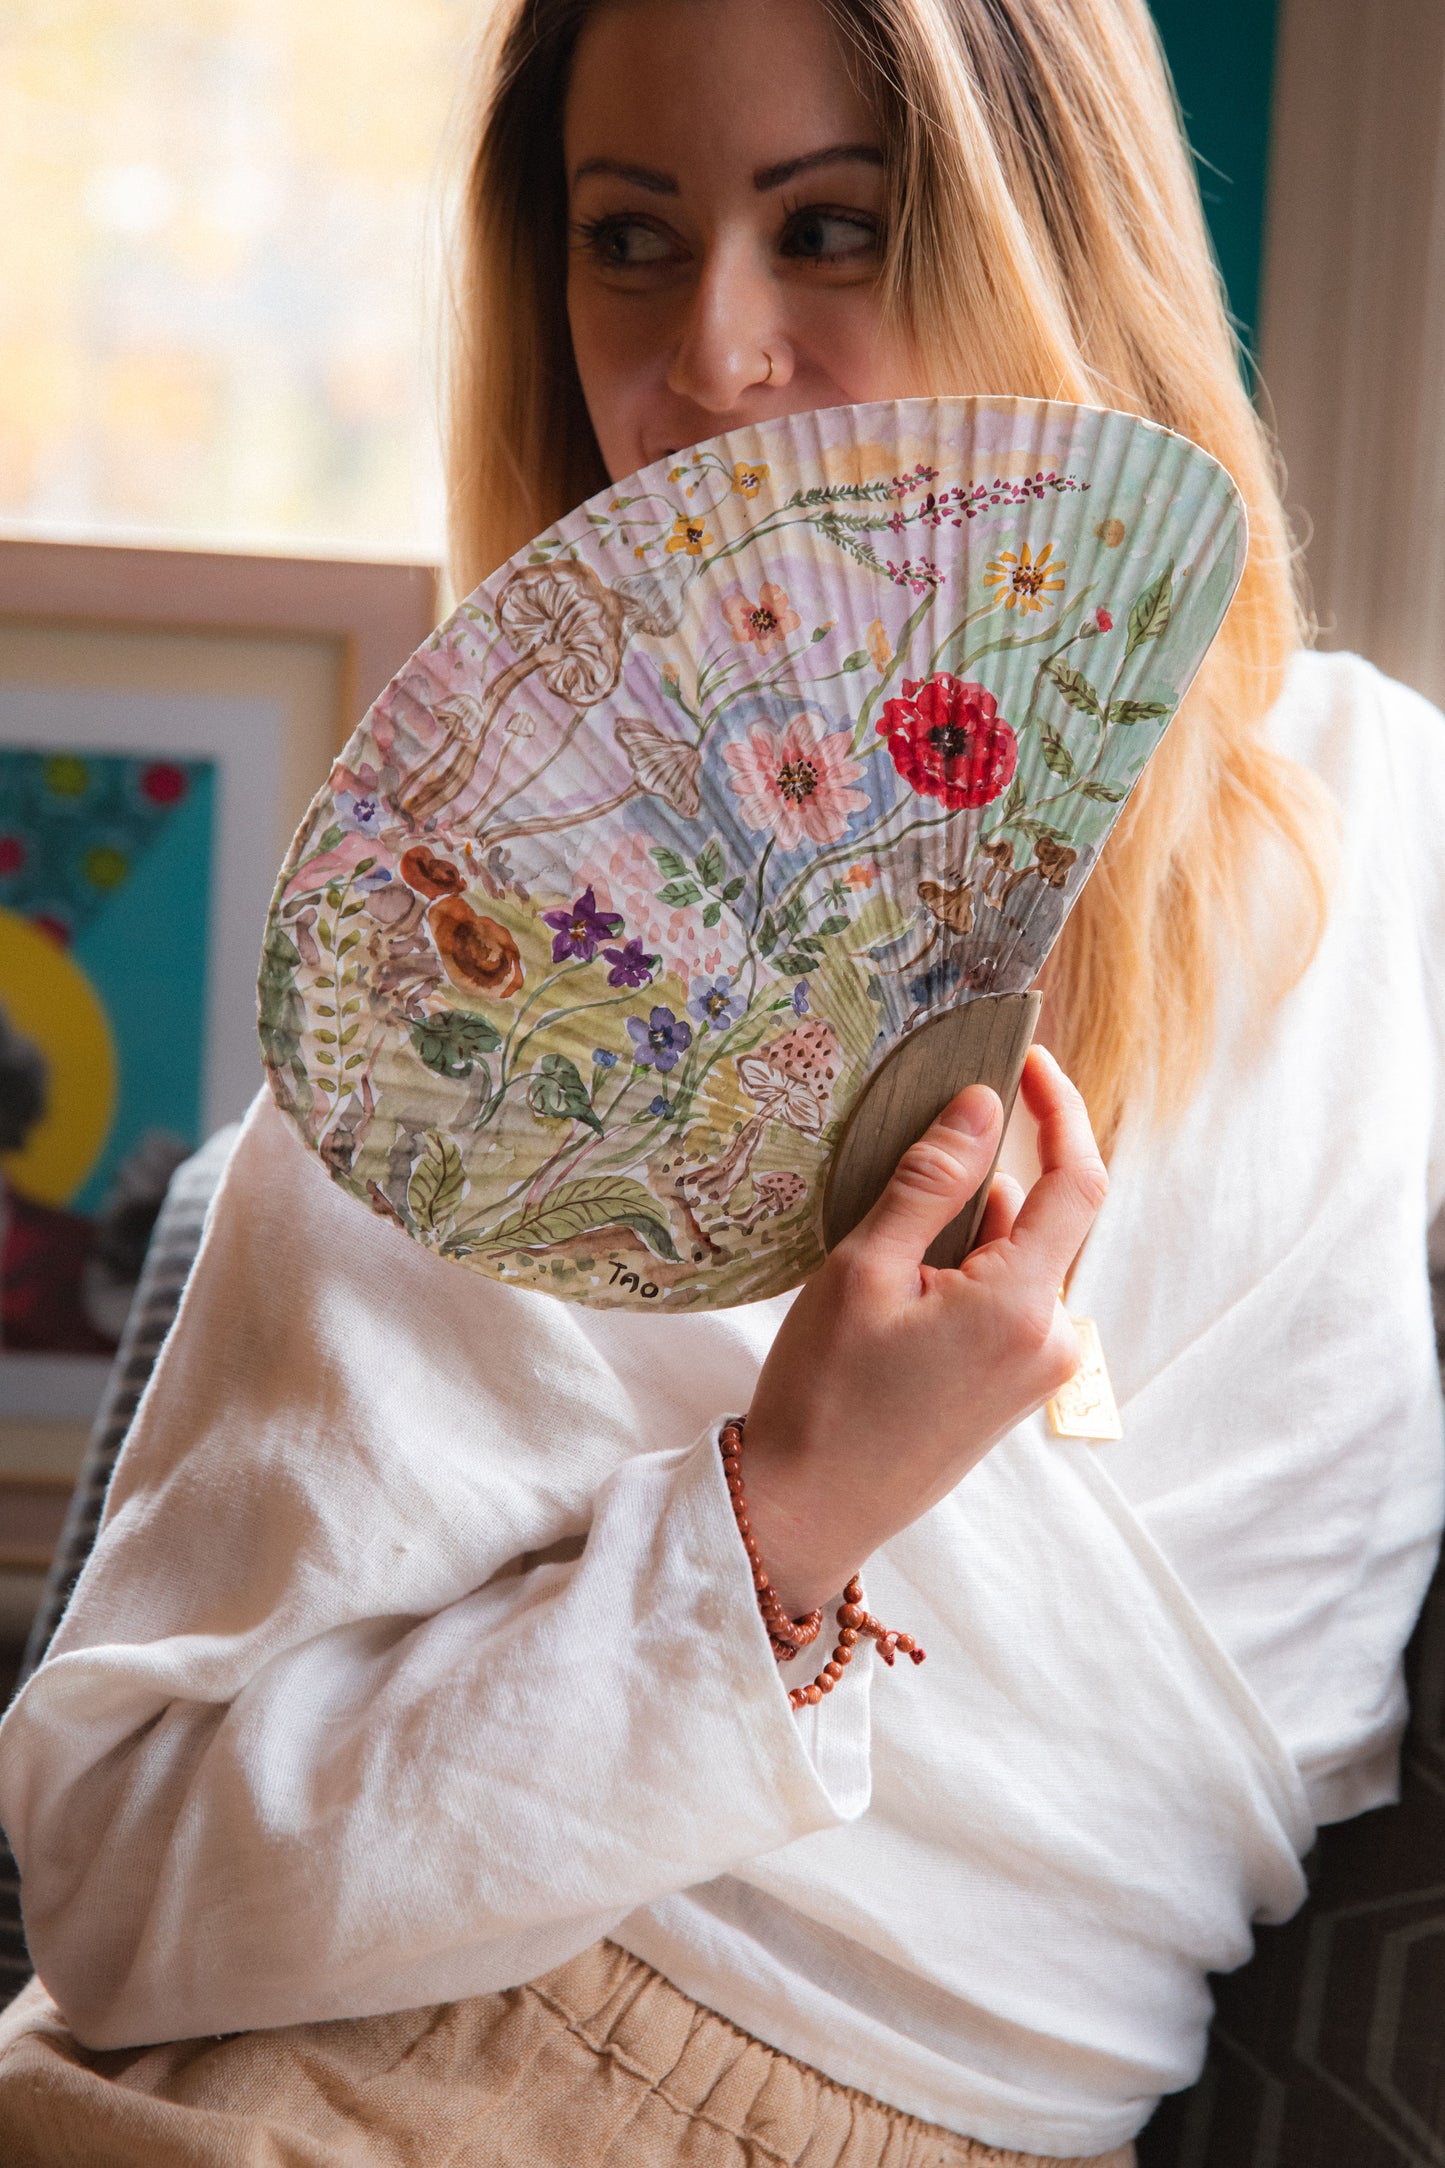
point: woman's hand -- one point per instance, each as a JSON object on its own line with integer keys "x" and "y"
{"x": 889, "y": 1379}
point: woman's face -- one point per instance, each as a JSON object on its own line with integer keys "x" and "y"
{"x": 726, "y": 190}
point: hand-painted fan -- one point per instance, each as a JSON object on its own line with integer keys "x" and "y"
{"x": 710, "y": 807}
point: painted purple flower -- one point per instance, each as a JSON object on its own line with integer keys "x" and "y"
{"x": 604, "y": 1057}
{"x": 630, "y": 967}
{"x": 359, "y": 811}
{"x": 712, "y": 1003}
{"x": 578, "y": 930}
{"x": 800, "y": 998}
{"x": 657, "y": 1043}
{"x": 659, "y": 1105}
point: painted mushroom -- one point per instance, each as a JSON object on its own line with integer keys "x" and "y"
{"x": 567, "y": 628}
{"x": 791, "y": 1079}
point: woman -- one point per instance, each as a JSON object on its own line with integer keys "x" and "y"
{"x": 419, "y": 1657}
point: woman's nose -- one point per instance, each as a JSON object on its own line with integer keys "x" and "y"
{"x": 730, "y": 339}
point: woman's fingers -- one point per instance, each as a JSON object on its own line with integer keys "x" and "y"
{"x": 1059, "y": 1210}
{"x": 1005, "y": 1196}
{"x": 935, "y": 1178}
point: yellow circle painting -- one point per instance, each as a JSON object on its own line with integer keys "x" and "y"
{"x": 48, "y": 999}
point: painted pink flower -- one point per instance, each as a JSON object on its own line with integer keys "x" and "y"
{"x": 765, "y": 623}
{"x": 795, "y": 781}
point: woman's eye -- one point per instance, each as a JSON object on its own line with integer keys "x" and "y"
{"x": 622, "y": 244}
{"x": 819, "y": 236}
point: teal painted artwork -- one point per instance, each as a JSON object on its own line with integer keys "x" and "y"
{"x": 105, "y": 871}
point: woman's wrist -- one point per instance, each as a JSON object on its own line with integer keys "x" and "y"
{"x": 809, "y": 1556}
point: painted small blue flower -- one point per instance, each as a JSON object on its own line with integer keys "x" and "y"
{"x": 578, "y": 930}
{"x": 378, "y": 877}
{"x": 359, "y": 811}
{"x": 630, "y": 967}
{"x": 657, "y": 1043}
{"x": 659, "y": 1105}
{"x": 604, "y": 1057}
{"x": 800, "y": 998}
{"x": 712, "y": 1002}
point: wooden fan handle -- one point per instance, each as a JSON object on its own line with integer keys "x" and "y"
{"x": 982, "y": 1042}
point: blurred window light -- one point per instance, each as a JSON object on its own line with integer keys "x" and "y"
{"x": 219, "y": 269}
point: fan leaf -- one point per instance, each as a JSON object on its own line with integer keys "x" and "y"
{"x": 584, "y": 1207}
{"x": 438, "y": 1184}
{"x": 1057, "y": 757}
{"x": 558, "y": 1093}
{"x": 1074, "y": 686}
{"x": 1139, "y": 711}
{"x": 451, "y": 1042}
{"x": 711, "y": 865}
{"x": 1151, "y": 613}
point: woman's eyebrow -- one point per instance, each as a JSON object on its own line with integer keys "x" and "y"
{"x": 658, "y": 183}
{"x": 867, "y": 154}
{"x": 648, "y": 177}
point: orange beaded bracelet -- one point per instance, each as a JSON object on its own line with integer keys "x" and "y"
{"x": 788, "y": 1635}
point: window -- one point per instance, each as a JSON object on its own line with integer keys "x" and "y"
{"x": 218, "y": 268}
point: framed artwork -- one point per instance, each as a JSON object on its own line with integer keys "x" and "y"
{"x": 165, "y": 717}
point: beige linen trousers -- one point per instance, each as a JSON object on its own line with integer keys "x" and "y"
{"x": 600, "y": 2064}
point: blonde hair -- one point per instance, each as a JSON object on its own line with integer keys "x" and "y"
{"x": 1040, "y": 187}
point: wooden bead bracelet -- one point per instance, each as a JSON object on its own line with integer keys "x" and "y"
{"x": 788, "y": 1635}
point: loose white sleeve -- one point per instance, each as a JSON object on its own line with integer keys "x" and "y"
{"x": 318, "y": 1736}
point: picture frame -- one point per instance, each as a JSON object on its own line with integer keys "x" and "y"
{"x": 165, "y": 718}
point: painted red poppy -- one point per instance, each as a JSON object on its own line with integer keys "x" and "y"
{"x": 948, "y": 740}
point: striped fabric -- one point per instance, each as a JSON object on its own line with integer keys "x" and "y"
{"x": 1329, "y": 2047}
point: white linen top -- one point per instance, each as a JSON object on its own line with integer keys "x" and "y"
{"x": 322, "y": 1735}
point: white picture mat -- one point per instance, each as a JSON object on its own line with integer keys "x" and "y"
{"x": 265, "y": 711}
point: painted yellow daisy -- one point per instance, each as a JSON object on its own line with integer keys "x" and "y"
{"x": 688, "y": 534}
{"x": 748, "y": 480}
{"x": 1022, "y": 581}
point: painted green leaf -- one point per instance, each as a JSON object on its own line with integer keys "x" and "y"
{"x": 712, "y": 914}
{"x": 1057, "y": 757}
{"x": 679, "y": 894}
{"x": 795, "y": 965}
{"x": 1103, "y": 793}
{"x": 437, "y": 1185}
{"x": 856, "y": 660}
{"x": 452, "y": 1042}
{"x": 671, "y": 864}
{"x": 329, "y": 839}
{"x": 711, "y": 865}
{"x": 735, "y": 888}
{"x": 583, "y": 1207}
{"x": 838, "y": 923}
{"x": 1140, "y": 711}
{"x": 557, "y": 1091}
{"x": 821, "y": 632}
{"x": 1074, "y": 686}
{"x": 282, "y": 1011}
{"x": 1151, "y": 613}
{"x": 767, "y": 934}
